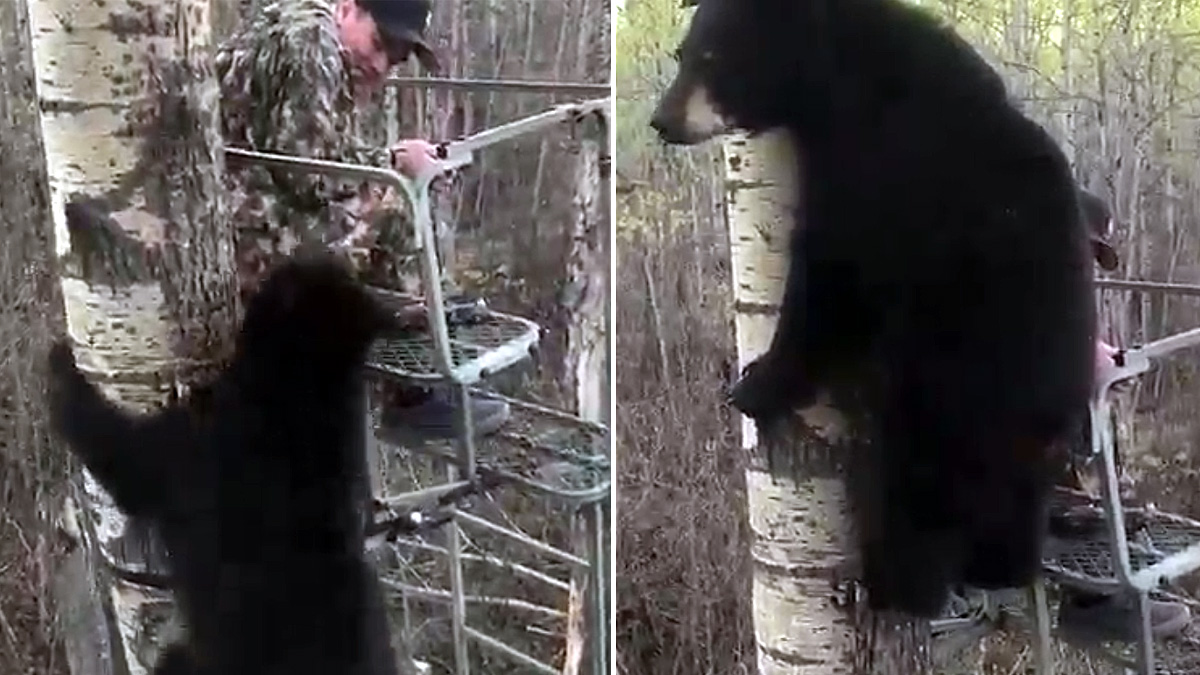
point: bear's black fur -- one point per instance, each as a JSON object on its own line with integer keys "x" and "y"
{"x": 256, "y": 486}
{"x": 940, "y": 268}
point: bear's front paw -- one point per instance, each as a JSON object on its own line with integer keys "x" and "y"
{"x": 64, "y": 377}
{"x": 767, "y": 390}
{"x": 62, "y": 359}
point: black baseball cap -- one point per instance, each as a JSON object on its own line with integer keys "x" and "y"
{"x": 402, "y": 25}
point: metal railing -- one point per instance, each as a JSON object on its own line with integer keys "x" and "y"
{"x": 521, "y": 86}
{"x": 1133, "y": 362}
{"x": 416, "y": 192}
{"x": 1125, "y": 577}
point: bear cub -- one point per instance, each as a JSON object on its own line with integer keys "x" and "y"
{"x": 256, "y": 484}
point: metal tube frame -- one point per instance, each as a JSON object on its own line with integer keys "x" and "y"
{"x": 455, "y": 155}
{"x": 536, "y": 544}
{"x": 519, "y": 86}
{"x": 1043, "y": 653}
{"x": 1152, "y": 286}
{"x": 1134, "y": 362}
{"x": 515, "y": 654}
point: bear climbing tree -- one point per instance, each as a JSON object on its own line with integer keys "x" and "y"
{"x": 255, "y": 484}
{"x": 940, "y": 278}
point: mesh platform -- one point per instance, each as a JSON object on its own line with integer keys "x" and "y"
{"x": 538, "y": 448}
{"x": 482, "y": 343}
{"x": 1082, "y": 557}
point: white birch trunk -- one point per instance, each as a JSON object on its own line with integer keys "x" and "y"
{"x": 130, "y": 115}
{"x": 801, "y": 528}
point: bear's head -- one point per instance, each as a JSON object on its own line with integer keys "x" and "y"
{"x": 741, "y": 64}
{"x": 811, "y": 65}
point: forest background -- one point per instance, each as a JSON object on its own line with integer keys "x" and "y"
{"x": 1117, "y": 83}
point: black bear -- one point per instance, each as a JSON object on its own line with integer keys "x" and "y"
{"x": 256, "y": 484}
{"x": 940, "y": 267}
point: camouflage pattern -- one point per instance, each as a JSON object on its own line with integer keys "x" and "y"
{"x": 286, "y": 88}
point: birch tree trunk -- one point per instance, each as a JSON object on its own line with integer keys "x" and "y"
{"x": 131, "y": 120}
{"x": 585, "y": 296}
{"x": 585, "y": 301}
{"x": 801, "y": 536}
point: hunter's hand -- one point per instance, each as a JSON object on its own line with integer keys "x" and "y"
{"x": 414, "y": 156}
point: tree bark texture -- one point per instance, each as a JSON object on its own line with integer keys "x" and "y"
{"x": 585, "y": 295}
{"x": 584, "y": 306}
{"x": 131, "y": 123}
{"x": 802, "y": 543}
{"x": 40, "y": 594}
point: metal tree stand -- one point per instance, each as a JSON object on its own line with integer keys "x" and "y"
{"x": 1108, "y": 555}
{"x": 462, "y": 354}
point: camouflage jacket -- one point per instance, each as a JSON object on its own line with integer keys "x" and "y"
{"x": 286, "y": 89}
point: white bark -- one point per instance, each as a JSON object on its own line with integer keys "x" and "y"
{"x": 800, "y": 530}
{"x": 106, "y": 71}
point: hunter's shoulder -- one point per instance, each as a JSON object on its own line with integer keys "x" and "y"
{"x": 285, "y": 34}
